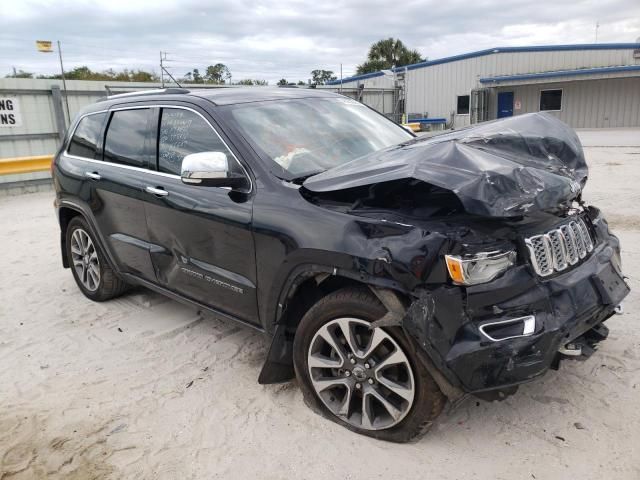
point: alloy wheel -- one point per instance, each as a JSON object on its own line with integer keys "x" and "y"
{"x": 85, "y": 259}
{"x": 361, "y": 374}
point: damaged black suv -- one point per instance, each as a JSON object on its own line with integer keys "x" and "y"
{"x": 393, "y": 273}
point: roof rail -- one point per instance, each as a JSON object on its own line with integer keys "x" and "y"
{"x": 155, "y": 91}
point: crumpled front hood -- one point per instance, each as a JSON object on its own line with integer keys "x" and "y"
{"x": 503, "y": 168}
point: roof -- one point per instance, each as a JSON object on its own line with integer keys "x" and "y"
{"x": 561, "y": 73}
{"x": 490, "y": 51}
{"x": 228, "y": 96}
{"x": 220, "y": 96}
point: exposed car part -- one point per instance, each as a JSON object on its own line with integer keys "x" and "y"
{"x": 583, "y": 346}
{"x": 571, "y": 350}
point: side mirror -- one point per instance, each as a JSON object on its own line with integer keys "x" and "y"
{"x": 210, "y": 169}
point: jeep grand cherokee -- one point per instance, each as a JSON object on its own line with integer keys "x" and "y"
{"x": 392, "y": 272}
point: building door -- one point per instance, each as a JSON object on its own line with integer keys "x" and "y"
{"x": 505, "y": 104}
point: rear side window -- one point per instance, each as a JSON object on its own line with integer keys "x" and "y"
{"x": 126, "y": 135}
{"x": 86, "y": 136}
{"x": 183, "y": 132}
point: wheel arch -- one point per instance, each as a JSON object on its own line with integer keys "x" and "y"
{"x": 304, "y": 287}
{"x": 65, "y": 215}
{"x": 324, "y": 279}
{"x": 67, "y": 211}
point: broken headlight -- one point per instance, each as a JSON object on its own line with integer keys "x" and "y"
{"x": 479, "y": 267}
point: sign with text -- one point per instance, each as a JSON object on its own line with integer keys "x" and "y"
{"x": 10, "y": 112}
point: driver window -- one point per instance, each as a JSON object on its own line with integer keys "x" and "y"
{"x": 183, "y": 132}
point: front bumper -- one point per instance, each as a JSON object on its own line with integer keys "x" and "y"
{"x": 446, "y": 322}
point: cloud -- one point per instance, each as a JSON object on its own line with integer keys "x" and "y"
{"x": 271, "y": 39}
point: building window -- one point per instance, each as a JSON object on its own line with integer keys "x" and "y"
{"x": 551, "y": 100}
{"x": 463, "y": 105}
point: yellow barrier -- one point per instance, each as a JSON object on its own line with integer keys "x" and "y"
{"x": 10, "y": 166}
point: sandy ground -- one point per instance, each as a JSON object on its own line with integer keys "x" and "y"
{"x": 142, "y": 387}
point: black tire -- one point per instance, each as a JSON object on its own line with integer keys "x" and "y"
{"x": 362, "y": 304}
{"x": 109, "y": 285}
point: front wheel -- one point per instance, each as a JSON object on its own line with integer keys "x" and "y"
{"x": 368, "y": 380}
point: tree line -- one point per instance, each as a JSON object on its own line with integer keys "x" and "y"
{"x": 383, "y": 55}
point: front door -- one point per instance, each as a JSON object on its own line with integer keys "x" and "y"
{"x": 505, "y": 104}
{"x": 207, "y": 251}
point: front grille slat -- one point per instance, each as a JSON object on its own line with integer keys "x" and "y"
{"x": 557, "y": 242}
{"x": 588, "y": 242}
{"x": 571, "y": 244}
{"x": 582, "y": 249}
{"x": 559, "y": 248}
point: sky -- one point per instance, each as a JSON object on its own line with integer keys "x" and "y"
{"x": 273, "y": 39}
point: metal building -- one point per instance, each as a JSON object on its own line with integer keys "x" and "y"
{"x": 586, "y": 86}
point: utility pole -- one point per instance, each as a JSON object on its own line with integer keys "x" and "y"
{"x": 64, "y": 83}
{"x": 406, "y": 91}
{"x": 161, "y": 71}
{"x": 597, "y": 27}
{"x": 340, "y": 78}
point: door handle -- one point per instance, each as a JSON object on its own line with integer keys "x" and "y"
{"x": 160, "y": 192}
{"x": 92, "y": 175}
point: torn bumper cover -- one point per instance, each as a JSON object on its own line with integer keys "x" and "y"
{"x": 447, "y": 322}
{"x": 504, "y": 168}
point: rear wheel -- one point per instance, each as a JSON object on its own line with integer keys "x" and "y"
{"x": 93, "y": 275}
{"x": 368, "y": 380}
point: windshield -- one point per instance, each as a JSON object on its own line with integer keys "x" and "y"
{"x": 308, "y": 136}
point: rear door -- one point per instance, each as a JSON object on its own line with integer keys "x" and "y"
{"x": 207, "y": 251}
{"x": 117, "y": 186}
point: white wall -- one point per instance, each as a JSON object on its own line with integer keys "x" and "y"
{"x": 434, "y": 89}
{"x": 608, "y": 103}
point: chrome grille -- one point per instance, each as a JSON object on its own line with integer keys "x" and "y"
{"x": 555, "y": 250}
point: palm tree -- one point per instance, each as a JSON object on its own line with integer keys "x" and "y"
{"x": 389, "y": 53}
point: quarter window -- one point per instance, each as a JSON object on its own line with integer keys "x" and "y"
{"x": 463, "y": 105}
{"x": 86, "y": 136}
{"x": 183, "y": 132}
{"x": 126, "y": 135}
{"x": 551, "y": 100}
